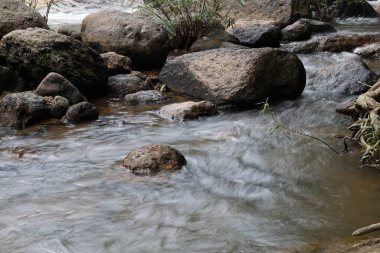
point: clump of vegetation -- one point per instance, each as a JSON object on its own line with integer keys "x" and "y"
{"x": 187, "y": 20}
{"x": 365, "y": 111}
{"x": 48, "y": 4}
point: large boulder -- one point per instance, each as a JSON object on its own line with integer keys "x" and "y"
{"x": 349, "y": 8}
{"x": 239, "y": 77}
{"x": 121, "y": 85}
{"x": 278, "y": 11}
{"x": 36, "y": 52}
{"x": 81, "y": 112}
{"x": 154, "y": 158}
{"x": 252, "y": 34}
{"x": 135, "y": 36}
{"x": 11, "y": 81}
{"x": 23, "y": 109}
{"x": 331, "y": 43}
{"x": 14, "y": 14}
{"x": 56, "y": 85}
{"x": 189, "y": 110}
{"x": 346, "y": 78}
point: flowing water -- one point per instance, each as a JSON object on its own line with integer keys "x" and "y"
{"x": 63, "y": 188}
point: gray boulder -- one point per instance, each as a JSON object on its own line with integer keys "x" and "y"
{"x": 189, "y": 110}
{"x": 145, "y": 97}
{"x": 14, "y": 14}
{"x": 121, "y": 85}
{"x": 349, "y": 8}
{"x": 137, "y": 37}
{"x": 72, "y": 30}
{"x": 317, "y": 26}
{"x": 241, "y": 77}
{"x": 81, "y": 112}
{"x": 56, "y": 85}
{"x": 347, "y": 78}
{"x": 36, "y": 52}
{"x": 116, "y": 63}
{"x": 252, "y": 34}
{"x": 304, "y": 28}
{"x": 151, "y": 159}
{"x": 59, "y": 106}
{"x": 11, "y": 81}
{"x": 23, "y": 109}
{"x": 215, "y": 39}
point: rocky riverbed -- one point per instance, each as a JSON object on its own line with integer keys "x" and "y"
{"x": 73, "y": 151}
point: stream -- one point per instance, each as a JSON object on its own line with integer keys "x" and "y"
{"x": 63, "y": 187}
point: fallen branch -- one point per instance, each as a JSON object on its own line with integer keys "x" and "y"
{"x": 366, "y": 230}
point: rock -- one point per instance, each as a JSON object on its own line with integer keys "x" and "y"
{"x": 215, "y": 39}
{"x": 349, "y": 8}
{"x": 36, "y": 52}
{"x": 369, "y": 51}
{"x": 116, "y": 63}
{"x": 189, "y": 110}
{"x": 145, "y": 97}
{"x": 277, "y": 11}
{"x": 22, "y": 109}
{"x": 336, "y": 43}
{"x": 81, "y": 112}
{"x": 347, "y": 78}
{"x": 241, "y": 77}
{"x": 304, "y": 28}
{"x": 56, "y": 85}
{"x": 318, "y": 26}
{"x": 72, "y": 30}
{"x": 11, "y": 81}
{"x": 121, "y": 85}
{"x": 59, "y": 106}
{"x": 154, "y": 158}
{"x": 251, "y": 34}
{"x": 296, "y": 32}
{"x": 14, "y": 14}
{"x": 137, "y": 37}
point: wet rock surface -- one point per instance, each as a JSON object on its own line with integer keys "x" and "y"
{"x": 145, "y": 97}
{"x": 189, "y": 110}
{"x": 121, "y": 85}
{"x": 81, "y": 112}
{"x": 252, "y": 34}
{"x": 151, "y": 159}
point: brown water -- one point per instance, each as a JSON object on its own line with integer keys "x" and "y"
{"x": 63, "y": 189}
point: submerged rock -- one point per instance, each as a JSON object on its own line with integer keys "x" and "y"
{"x": 145, "y": 97}
{"x": 121, "y": 85}
{"x": 135, "y": 36}
{"x": 14, "y": 14}
{"x": 116, "y": 63}
{"x": 189, "y": 110}
{"x": 36, "y": 52}
{"x": 333, "y": 43}
{"x": 370, "y": 51}
{"x": 347, "y": 78}
{"x": 56, "y": 85}
{"x": 154, "y": 158}
{"x": 81, "y": 112}
{"x": 23, "y": 109}
{"x": 241, "y": 77}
